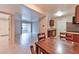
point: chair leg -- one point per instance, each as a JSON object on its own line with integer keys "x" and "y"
{"x": 38, "y": 51}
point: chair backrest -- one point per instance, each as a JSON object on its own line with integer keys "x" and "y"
{"x": 32, "y": 49}
{"x": 41, "y": 36}
{"x": 69, "y": 36}
{"x": 62, "y": 35}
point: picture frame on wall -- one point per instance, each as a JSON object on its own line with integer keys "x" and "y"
{"x": 51, "y": 22}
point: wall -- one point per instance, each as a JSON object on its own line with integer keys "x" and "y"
{"x": 43, "y": 25}
{"x": 18, "y": 23}
{"x": 72, "y": 27}
{"x": 35, "y": 22}
{"x": 35, "y": 28}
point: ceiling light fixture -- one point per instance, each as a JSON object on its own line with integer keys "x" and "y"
{"x": 59, "y": 13}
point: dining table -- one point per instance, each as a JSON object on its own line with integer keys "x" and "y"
{"x": 57, "y": 46}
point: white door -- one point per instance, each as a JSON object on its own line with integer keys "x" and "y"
{"x": 4, "y": 30}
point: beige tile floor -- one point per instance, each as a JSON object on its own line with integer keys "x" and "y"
{"x": 20, "y": 46}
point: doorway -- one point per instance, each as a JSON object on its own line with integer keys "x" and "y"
{"x": 26, "y": 27}
{"x": 26, "y": 34}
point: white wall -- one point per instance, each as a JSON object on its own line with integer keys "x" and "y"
{"x": 18, "y": 23}
{"x": 61, "y": 23}
{"x": 43, "y": 25}
{"x": 35, "y": 28}
{"x": 35, "y": 22}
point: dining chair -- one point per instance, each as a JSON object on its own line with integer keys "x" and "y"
{"x": 62, "y": 35}
{"x": 32, "y": 49}
{"x": 41, "y": 36}
{"x": 69, "y": 36}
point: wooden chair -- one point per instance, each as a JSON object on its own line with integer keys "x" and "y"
{"x": 41, "y": 36}
{"x": 32, "y": 49}
{"x": 62, "y": 35}
{"x": 69, "y": 36}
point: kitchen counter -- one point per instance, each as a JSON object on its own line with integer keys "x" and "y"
{"x": 72, "y": 36}
{"x": 73, "y": 32}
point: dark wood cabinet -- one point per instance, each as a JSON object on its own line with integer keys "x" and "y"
{"x": 69, "y": 36}
{"x": 72, "y": 37}
{"x": 51, "y": 33}
{"x": 76, "y": 38}
{"x": 77, "y": 14}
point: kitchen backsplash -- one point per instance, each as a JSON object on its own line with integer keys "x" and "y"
{"x": 70, "y": 27}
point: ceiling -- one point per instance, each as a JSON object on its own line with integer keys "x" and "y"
{"x": 44, "y": 9}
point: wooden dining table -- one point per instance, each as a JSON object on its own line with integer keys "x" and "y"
{"x": 57, "y": 46}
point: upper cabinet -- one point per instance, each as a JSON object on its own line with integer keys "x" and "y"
{"x": 77, "y": 14}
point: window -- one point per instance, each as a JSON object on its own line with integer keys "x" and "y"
{"x": 26, "y": 27}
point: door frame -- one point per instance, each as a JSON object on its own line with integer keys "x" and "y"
{"x": 10, "y": 29}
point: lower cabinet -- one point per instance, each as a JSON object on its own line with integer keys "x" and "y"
{"x": 51, "y": 33}
{"x": 69, "y": 36}
{"x": 76, "y": 38}
{"x": 72, "y": 37}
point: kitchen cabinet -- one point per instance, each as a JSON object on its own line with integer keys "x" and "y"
{"x": 76, "y": 38}
{"x": 69, "y": 36}
{"x": 72, "y": 36}
{"x": 52, "y": 33}
{"x": 77, "y": 14}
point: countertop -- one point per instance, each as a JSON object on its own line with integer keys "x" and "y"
{"x": 73, "y": 32}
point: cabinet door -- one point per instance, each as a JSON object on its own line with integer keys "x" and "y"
{"x": 69, "y": 36}
{"x": 76, "y": 38}
{"x": 77, "y": 14}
